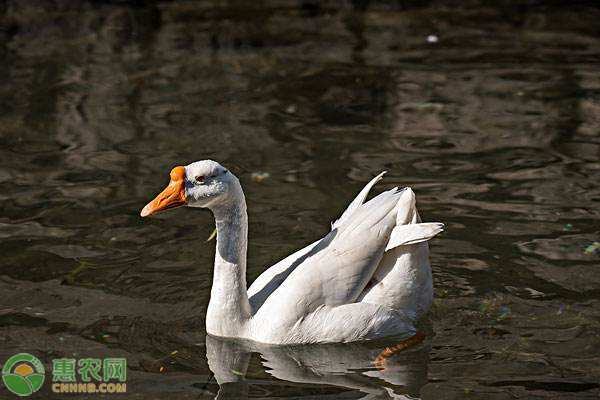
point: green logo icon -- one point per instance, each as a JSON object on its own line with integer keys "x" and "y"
{"x": 27, "y": 375}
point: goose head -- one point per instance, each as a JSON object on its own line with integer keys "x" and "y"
{"x": 204, "y": 184}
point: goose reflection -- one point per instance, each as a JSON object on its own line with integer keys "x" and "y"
{"x": 348, "y": 366}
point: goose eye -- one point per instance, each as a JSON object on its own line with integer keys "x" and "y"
{"x": 199, "y": 179}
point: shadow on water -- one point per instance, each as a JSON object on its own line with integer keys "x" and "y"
{"x": 489, "y": 111}
{"x": 349, "y": 367}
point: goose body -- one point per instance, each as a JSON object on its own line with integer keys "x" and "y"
{"x": 368, "y": 278}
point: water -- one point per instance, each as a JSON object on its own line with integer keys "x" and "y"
{"x": 495, "y": 126}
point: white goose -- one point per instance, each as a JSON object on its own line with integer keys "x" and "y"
{"x": 368, "y": 278}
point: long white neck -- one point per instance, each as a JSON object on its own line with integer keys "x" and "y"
{"x": 229, "y": 309}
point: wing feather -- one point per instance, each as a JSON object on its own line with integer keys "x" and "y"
{"x": 268, "y": 281}
{"x": 358, "y": 201}
{"x": 336, "y": 271}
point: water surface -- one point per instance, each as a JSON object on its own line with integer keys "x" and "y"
{"x": 491, "y": 114}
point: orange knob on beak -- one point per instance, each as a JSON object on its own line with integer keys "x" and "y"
{"x": 173, "y": 196}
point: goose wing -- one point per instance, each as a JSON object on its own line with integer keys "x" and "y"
{"x": 268, "y": 281}
{"x": 335, "y": 270}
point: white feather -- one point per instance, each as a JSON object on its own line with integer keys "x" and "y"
{"x": 411, "y": 234}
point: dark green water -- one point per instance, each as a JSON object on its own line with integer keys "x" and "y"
{"x": 494, "y": 121}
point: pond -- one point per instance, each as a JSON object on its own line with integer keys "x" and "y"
{"x": 490, "y": 113}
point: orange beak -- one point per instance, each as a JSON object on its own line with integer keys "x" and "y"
{"x": 172, "y": 197}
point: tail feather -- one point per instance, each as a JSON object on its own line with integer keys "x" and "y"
{"x": 413, "y": 233}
